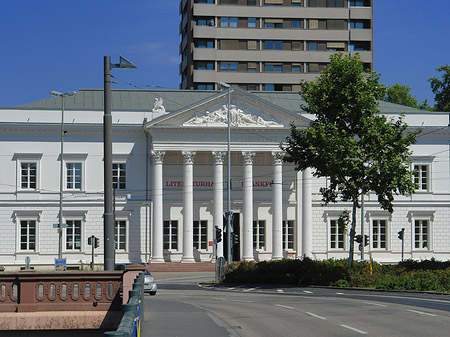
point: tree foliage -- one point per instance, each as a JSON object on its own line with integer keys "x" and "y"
{"x": 441, "y": 89}
{"x": 401, "y": 94}
{"x": 350, "y": 142}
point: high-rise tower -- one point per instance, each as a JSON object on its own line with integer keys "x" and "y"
{"x": 269, "y": 44}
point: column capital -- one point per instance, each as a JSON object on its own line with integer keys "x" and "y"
{"x": 158, "y": 156}
{"x": 248, "y": 156}
{"x": 188, "y": 156}
{"x": 278, "y": 156}
{"x": 218, "y": 156}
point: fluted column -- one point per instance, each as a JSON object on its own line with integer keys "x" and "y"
{"x": 218, "y": 196}
{"x": 306, "y": 213}
{"x": 247, "y": 230}
{"x": 277, "y": 205}
{"x": 188, "y": 207}
{"x": 157, "y": 236}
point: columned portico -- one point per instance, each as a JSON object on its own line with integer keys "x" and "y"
{"x": 218, "y": 195}
{"x": 157, "y": 237}
{"x": 188, "y": 207}
{"x": 247, "y": 230}
{"x": 277, "y": 205}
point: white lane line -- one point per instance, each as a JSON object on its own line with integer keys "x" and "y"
{"x": 307, "y": 292}
{"x": 231, "y": 288}
{"x": 284, "y": 306}
{"x": 314, "y": 315}
{"x": 340, "y": 294}
{"x": 421, "y": 312}
{"x": 249, "y": 289}
{"x": 377, "y": 304}
{"x": 354, "y": 329}
{"x": 242, "y": 301}
{"x": 218, "y": 298}
{"x": 280, "y": 290}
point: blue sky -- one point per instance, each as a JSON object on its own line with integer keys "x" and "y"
{"x": 59, "y": 45}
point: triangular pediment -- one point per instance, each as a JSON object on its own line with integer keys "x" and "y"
{"x": 246, "y": 111}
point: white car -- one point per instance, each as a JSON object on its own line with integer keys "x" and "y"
{"x": 149, "y": 283}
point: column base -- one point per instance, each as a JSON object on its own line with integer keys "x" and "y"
{"x": 187, "y": 260}
{"x": 157, "y": 260}
{"x": 277, "y": 257}
{"x": 248, "y": 258}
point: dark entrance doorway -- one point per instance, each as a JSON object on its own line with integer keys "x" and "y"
{"x": 235, "y": 238}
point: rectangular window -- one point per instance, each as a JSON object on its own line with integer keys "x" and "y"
{"x": 204, "y": 86}
{"x": 200, "y": 234}
{"x": 297, "y": 3}
{"x": 273, "y": 67}
{"x": 296, "y": 24}
{"x": 273, "y": 23}
{"x": 119, "y": 176}
{"x": 73, "y": 176}
{"x": 204, "y": 65}
{"x": 421, "y": 230}
{"x": 28, "y": 176}
{"x": 336, "y": 235}
{"x": 269, "y": 87}
{"x": 73, "y": 235}
{"x": 251, "y": 2}
{"x": 296, "y": 68}
{"x": 313, "y": 67}
{"x": 201, "y": 43}
{"x": 233, "y": 22}
{"x": 297, "y": 45}
{"x": 273, "y": 45}
{"x": 313, "y": 45}
{"x": 252, "y": 45}
{"x": 28, "y": 235}
{"x": 273, "y": 2}
{"x": 120, "y": 235}
{"x": 379, "y": 234}
{"x": 224, "y": 21}
{"x": 171, "y": 234}
{"x": 251, "y": 23}
{"x": 229, "y": 44}
{"x": 259, "y": 228}
{"x": 313, "y": 24}
{"x": 225, "y": 66}
{"x": 252, "y": 67}
{"x": 421, "y": 177}
{"x": 288, "y": 234}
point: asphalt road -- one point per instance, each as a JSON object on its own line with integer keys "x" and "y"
{"x": 182, "y": 307}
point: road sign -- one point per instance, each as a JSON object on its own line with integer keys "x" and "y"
{"x": 360, "y": 247}
{"x": 56, "y": 225}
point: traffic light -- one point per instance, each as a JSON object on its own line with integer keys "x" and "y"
{"x": 359, "y": 238}
{"x": 366, "y": 240}
{"x": 235, "y": 238}
{"x": 218, "y": 235}
{"x": 90, "y": 240}
{"x": 400, "y": 234}
{"x": 96, "y": 240}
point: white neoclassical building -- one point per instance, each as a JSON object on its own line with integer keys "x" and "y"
{"x": 170, "y": 178}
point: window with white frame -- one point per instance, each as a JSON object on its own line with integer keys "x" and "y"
{"x": 171, "y": 234}
{"x": 259, "y": 234}
{"x": 119, "y": 176}
{"x": 200, "y": 234}
{"x": 28, "y": 175}
{"x": 28, "y": 235}
{"x": 379, "y": 234}
{"x": 336, "y": 235}
{"x": 288, "y": 234}
{"x": 120, "y": 235}
{"x": 74, "y": 176}
{"x": 73, "y": 235}
{"x": 28, "y": 165}
{"x": 421, "y": 176}
{"x": 421, "y": 234}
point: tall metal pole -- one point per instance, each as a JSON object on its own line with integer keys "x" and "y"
{"x": 362, "y": 226}
{"x": 61, "y": 182}
{"x": 108, "y": 217}
{"x": 229, "y": 259}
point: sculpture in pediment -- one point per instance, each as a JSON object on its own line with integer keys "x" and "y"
{"x": 237, "y": 116}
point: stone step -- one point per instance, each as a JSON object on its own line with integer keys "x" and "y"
{"x": 181, "y": 267}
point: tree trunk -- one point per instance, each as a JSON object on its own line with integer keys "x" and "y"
{"x": 352, "y": 236}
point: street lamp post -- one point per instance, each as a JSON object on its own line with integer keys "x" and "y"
{"x": 228, "y": 217}
{"x": 108, "y": 216}
{"x": 61, "y": 174}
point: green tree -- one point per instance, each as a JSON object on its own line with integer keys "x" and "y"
{"x": 350, "y": 142}
{"x": 401, "y": 94}
{"x": 441, "y": 89}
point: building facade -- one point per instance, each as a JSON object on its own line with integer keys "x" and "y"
{"x": 269, "y": 45}
{"x": 170, "y": 179}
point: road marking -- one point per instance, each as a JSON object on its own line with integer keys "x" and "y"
{"x": 377, "y": 304}
{"x": 307, "y": 292}
{"x": 280, "y": 290}
{"x": 354, "y": 329}
{"x": 231, "y": 288}
{"x": 242, "y": 301}
{"x": 340, "y": 294}
{"x": 314, "y": 315}
{"x": 284, "y": 306}
{"x": 249, "y": 289}
{"x": 421, "y": 312}
{"x": 217, "y": 298}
